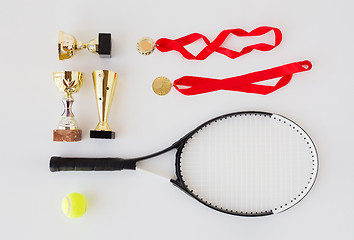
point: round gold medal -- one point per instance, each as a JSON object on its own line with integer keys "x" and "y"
{"x": 161, "y": 86}
{"x": 146, "y": 46}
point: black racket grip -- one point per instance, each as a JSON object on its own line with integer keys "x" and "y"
{"x": 58, "y": 164}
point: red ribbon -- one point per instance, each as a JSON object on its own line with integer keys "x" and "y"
{"x": 166, "y": 45}
{"x": 190, "y": 85}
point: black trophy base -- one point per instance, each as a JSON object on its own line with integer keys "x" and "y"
{"x": 104, "y": 44}
{"x": 102, "y": 134}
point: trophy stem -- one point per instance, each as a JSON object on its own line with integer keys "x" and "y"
{"x": 102, "y": 126}
{"x": 67, "y": 121}
{"x": 67, "y": 128}
{"x": 80, "y": 45}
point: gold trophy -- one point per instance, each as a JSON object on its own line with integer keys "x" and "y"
{"x": 67, "y": 82}
{"x": 105, "y": 82}
{"x": 67, "y": 44}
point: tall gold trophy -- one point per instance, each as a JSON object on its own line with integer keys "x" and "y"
{"x": 67, "y": 44}
{"x": 105, "y": 82}
{"x": 67, "y": 82}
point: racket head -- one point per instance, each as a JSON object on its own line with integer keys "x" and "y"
{"x": 247, "y": 164}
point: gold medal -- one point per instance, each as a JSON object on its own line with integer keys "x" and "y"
{"x": 146, "y": 46}
{"x": 161, "y": 86}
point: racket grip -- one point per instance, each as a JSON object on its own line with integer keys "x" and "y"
{"x": 58, "y": 164}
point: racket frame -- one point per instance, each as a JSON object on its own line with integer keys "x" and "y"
{"x": 179, "y": 182}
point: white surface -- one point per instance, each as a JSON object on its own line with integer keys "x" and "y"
{"x": 136, "y": 205}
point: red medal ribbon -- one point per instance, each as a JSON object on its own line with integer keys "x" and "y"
{"x": 166, "y": 45}
{"x": 190, "y": 85}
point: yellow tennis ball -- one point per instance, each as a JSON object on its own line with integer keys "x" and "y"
{"x": 74, "y": 205}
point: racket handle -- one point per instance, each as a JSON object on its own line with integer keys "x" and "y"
{"x": 89, "y": 164}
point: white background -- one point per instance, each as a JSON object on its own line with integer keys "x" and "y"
{"x": 140, "y": 205}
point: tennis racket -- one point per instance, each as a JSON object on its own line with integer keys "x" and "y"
{"x": 245, "y": 163}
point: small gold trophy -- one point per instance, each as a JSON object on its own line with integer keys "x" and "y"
{"x": 67, "y": 82}
{"x": 105, "y": 82}
{"x": 67, "y": 44}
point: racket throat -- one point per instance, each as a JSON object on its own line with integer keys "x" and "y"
{"x": 180, "y": 186}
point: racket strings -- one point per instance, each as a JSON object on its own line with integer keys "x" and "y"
{"x": 249, "y": 163}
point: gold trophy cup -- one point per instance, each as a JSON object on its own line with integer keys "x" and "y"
{"x": 67, "y": 44}
{"x": 105, "y": 82}
{"x": 67, "y": 82}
